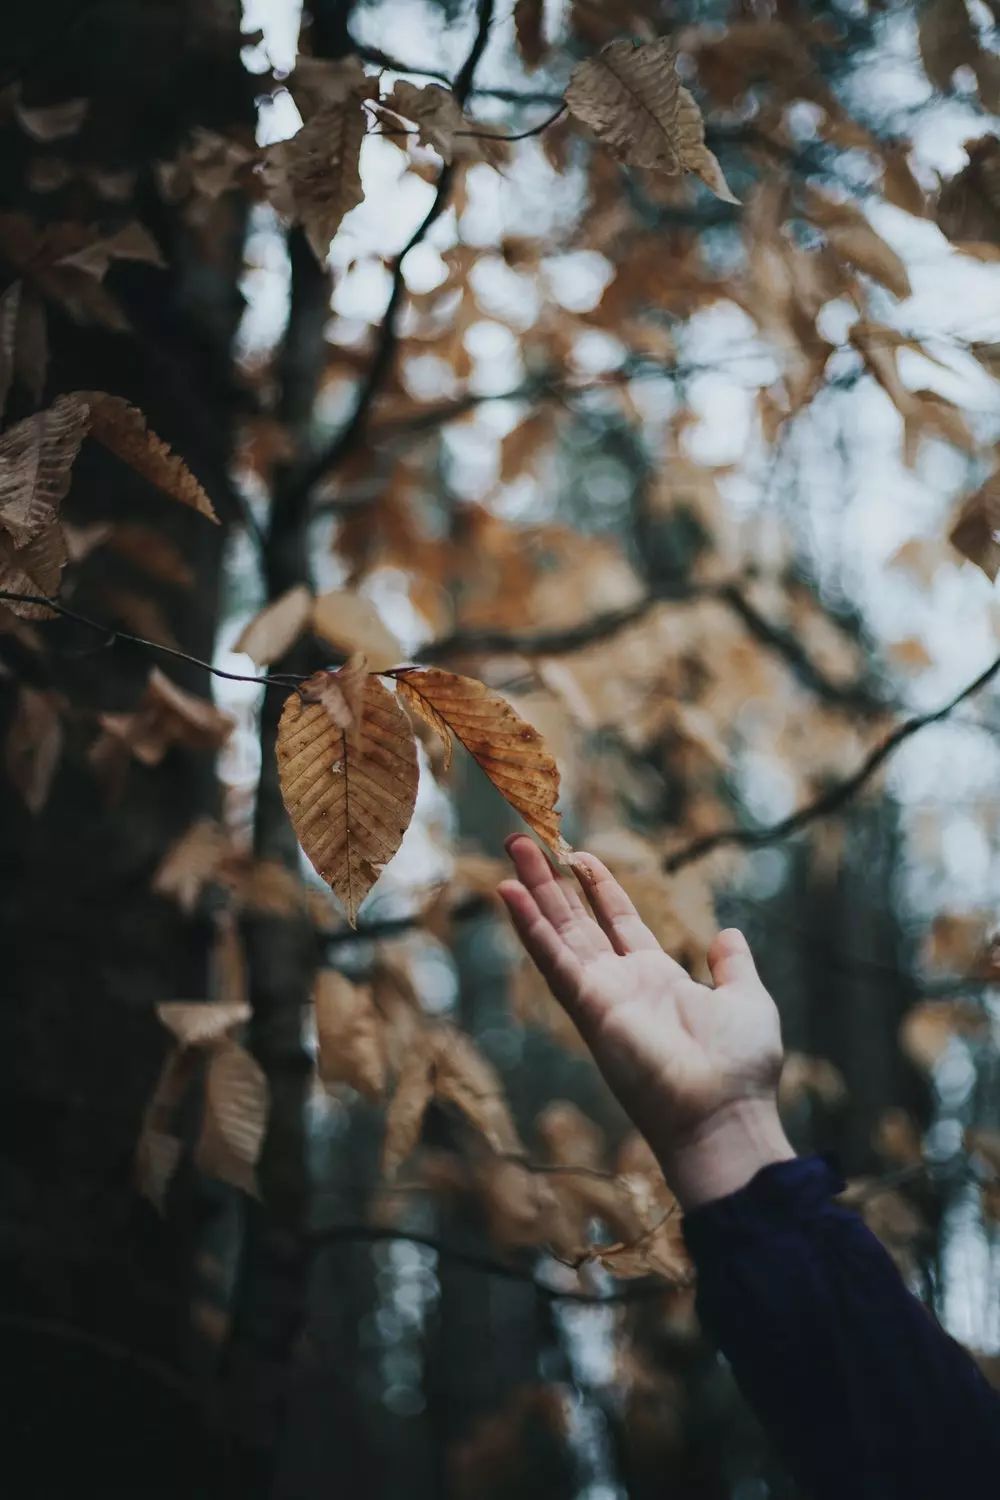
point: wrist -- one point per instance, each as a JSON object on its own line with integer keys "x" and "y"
{"x": 724, "y": 1151}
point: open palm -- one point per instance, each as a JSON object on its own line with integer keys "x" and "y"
{"x": 676, "y": 1053}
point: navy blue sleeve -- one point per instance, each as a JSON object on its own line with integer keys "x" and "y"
{"x": 864, "y": 1395}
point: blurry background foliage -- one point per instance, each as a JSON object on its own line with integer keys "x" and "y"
{"x": 707, "y": 488}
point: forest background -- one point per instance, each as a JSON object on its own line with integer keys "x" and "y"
{"x": 638, "y": 362}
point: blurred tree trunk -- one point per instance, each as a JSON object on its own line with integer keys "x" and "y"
{"x": 91, "y": 1280}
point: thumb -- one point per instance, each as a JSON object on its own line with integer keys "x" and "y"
{"x": 730, "y": 959}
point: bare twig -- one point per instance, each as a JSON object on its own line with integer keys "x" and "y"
{"x": 354, "y": 428}
{"x": 477, "y": 1260}
{"x": 835, "y": 796}
{"x": 112, "y": 637}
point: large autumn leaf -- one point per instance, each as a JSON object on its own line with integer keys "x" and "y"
{"x": 349, "y": 787}
{"x": 509, "y": 750}
{"x": 632, "y": 99}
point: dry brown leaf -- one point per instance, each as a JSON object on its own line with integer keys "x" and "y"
{"x": 202, "y": 1023}
{"x": 509, "y": 750}
{"x": 349, "y": 1032}
{"x": 350, "y": 797}
{"x": 34, "y": 745}
{"x": 166, "y": 715}
{"x": 314, "y": 178}
{"x": 340, "y": 694}
{"x": 968, "y": 204}
{"x": 33, "y": 569}
{"x": 975, "y": 528}
{"x": 897, "y": 1138}
{"x": 51, "y": 122}
{"x": 804, "y": 1076}
{"x": 434, "y": 110}
{"x": 695, "y": 155}
{"x": 235, "y": 1118}
{"x": 158, "y": 1148}
{"x": 629, "y": 95}
{"x": 899, "y": 186}
{"x": 910, "y": 654}
{"x": 946, "y": 39}
{"x": 192, "y": 862}
{"x": 521, "y": 445}
{"x": 275, "y": 629}
{"x": 632, "y": 99}
{"x": 933, "y": 415}
{"x": 268, "y": 887}
{"x": 986, "y": 1142}
{"x": 529, "y": 32}
{"x": 404, "y": 1118}
{"x": 36, "y": 460}
{"x": 463, "y": 1077}
{"x": 350, "y": 622}
{"x": 123, "y": 429}
{"x": 657, "y": 1251}
{"x": 928, "y": 1028}
{"x": 851, "y": 236}
{"x": 94, "y": 257}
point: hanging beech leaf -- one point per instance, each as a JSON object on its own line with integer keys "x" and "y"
{"x": 350, "y": 796}
{"x": 34, "y": 745}
{"x": 508, "y": 749}
{"x": 194, "y": 861}
{"x": 464, "y": 1078}
{"x": 36, "y": 459}
{"x": 158, "y": 1149}
{"x": 404, "y": 1118}
{"x": 131, "y": 242}
{"x": 340, "y": 694}
{"x": 434, "y": 110}
{"x": 350, "y": 623}
{"x": 123, "y": 429}
{"x": 529, "y": 31}
{"x": 852, "y": 236}
{"x": 276, "y": 628}
{"x": 974, "y": 532}
{"x": 34, "y": 568}
{"x": 202, "y": 1023}
{"x": 632, "y": 99}
{"x": 166, "y": 715}
{"x": 314, "y": 178}
{"x": 349, "y": 1032}
{"x": 235, "y": 1118}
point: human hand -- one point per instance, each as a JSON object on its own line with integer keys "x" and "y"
{"x": 696, "y": 1068}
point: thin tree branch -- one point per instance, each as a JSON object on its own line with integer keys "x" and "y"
{"x": 354, "y": 428}
{"x": 476, "y": 1260}
{"x": 848, "y": 695}
{"x": 835, "y": 796}
{"x": 112, "y": 637}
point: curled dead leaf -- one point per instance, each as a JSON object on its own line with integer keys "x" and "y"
{"x": 349, "y": 1032}
{"x": 508, "y": 749}
{"x": 632, "y": 99}
{"x": 123, "y": 429}
{"x": 235, "y": 1117}
{"x": 275, "y": 629}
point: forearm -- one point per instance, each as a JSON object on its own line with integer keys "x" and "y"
{"x": 862, "y": 1392}
{"x": 724, "y": 1152}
